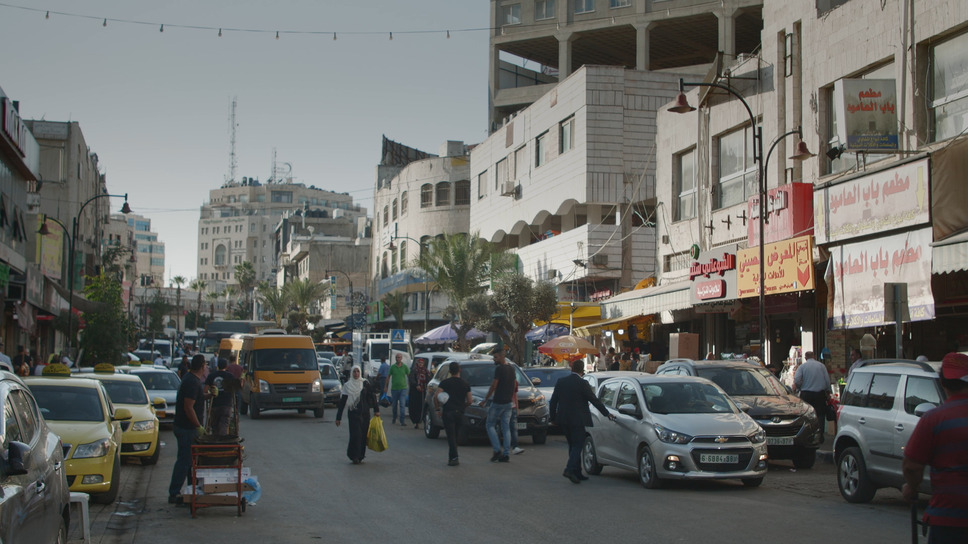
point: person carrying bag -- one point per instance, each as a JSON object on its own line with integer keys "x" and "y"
{"x": 358, "y": 399}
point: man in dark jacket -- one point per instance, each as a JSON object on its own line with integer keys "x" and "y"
{"x": 569, "y": 409}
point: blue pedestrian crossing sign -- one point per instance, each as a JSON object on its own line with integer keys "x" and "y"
{"x": 396, "y": 335}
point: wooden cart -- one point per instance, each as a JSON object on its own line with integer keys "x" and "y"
{"x": 217, "y": 456}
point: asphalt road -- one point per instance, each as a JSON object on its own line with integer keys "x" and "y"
{"x": 311, "y": 493}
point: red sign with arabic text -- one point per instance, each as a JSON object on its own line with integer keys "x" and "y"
{"x": 789, "y": 214}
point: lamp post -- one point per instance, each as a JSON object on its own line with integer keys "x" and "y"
{"x": 682, "y": 106}
{"x": 72, "y": 241}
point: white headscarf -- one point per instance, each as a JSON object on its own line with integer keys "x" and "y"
{"x": 353, "y": 388}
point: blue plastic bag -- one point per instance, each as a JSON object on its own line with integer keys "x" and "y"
{"x": 251, "y": 497}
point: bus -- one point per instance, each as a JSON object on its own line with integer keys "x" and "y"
{"x": 208, "y": 342}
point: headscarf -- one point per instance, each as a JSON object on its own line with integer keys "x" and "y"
{"x": 353, "y": 388}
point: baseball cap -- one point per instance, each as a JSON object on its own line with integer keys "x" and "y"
{"x": 954, "y": 366}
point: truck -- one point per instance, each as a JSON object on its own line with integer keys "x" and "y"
{"x": 369, "y": 348}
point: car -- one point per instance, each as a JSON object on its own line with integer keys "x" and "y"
{"x": 879, "y": 408}
{"x": 163, "y": 347}
{"x": 598, "y": 378}
{"x": 793, "y": 430}
{"x": 533, "y": 417}
{"x": 146, "y": 356}
{"x": 80, "y": 411}
{"x": 545, "y": 377}
{"x": 433, "y": 359}
{"x": 35, "y": 500}
{"x": 139, "y": 436}
{"x": 331, "y": 355}
{"x": 674, "y": 427}
{"x": 332, "y": 387}
{"x": 160, "y": 382}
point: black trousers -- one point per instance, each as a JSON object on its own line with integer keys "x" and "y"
{"x": 817, "y": 399}
{"x": 575, "y": 434}
{"x": 452, "y": 423}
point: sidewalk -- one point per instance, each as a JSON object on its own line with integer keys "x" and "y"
{"x": 825, "y": 454}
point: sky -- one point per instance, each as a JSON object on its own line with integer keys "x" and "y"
{"x": 155, "y": 105}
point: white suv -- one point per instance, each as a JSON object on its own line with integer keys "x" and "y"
{"x": 879, "y": 408}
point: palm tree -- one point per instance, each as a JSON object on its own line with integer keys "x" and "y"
{"x": 212, "y": 296}
{"x": 396, "y": 304}
{"x": 245, "y": 276}
{"x": 198, "y": 286}
{"x": 274, "y": 299}
{"x": 178, "y": 281}
{"x": 304, "y": 293}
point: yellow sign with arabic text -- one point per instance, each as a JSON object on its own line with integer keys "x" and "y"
{"x": 788, "y": 268}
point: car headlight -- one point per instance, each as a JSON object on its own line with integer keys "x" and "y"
{"x": 670, "y": 436}
{"x": 317, "y": 386}
{"x": 809, "y": 413}
{"x": 758, "y": 437}
{"x": 143, "y": 425}
{"x": 98, "y": 448}
{"x": 263, "y": 387}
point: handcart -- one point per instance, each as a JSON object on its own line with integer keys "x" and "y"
{"x": 227, "y": 457}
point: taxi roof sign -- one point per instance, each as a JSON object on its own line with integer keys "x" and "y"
{"x": 104, "y": 368}
{"x": 56, "y": 369}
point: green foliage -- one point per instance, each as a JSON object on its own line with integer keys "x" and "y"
{"x": 158, "y": 308}
{"x": 303, "y": 294}
{"x": 245, "y": 276}
{"x": 510, "y": 311}
{"x": 396, "y": 304}
{"x": 275, "y": 301}
{"x": 115, "y": 260}
{"x": 107, "y": 330}
{"x": 195, "y": 320}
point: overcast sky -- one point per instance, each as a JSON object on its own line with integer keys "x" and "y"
{"x": 155, "y": 105}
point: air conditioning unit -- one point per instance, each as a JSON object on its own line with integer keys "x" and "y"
{"x": 509, "y": 188}
{"x": 552, "y": 274}
{"x": 599, "y": 260}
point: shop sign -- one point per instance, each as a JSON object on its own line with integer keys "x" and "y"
{"x": 788, "y": 268}
{"x": 707, "y": 290}
{"x": 51, "y": 249}
{"x": 13, "y": 127}
{"x": 713, "y": 266}
{"x": 714, "y": 275}
{"x": 600, "y": 295}
{"x": 718, "y": 307}
{"x": 789, "y": 213}
{"x": 859, "y": 271}
{"x": 893, "y": 199}
{"x": 866, "y": 114}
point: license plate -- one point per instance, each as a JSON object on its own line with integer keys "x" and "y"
{"x": 292, "y": 399}
{"x": 718, "y": 458}
{"x": 522, "y": 426}
{"x": 779, "y": 441}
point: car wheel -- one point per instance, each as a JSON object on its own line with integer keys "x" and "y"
{"x": 244, "y": 408}
{"x": 318, "y": 412}
{"x": 804, "y": 458}
{"x": 539, "y": 437}
{"x": 752, "y": 482}
{"x": 589, "y": 460}
{"x": 254, "y": 411}
{"x": 153, "y": 460}
{"x": 112, "y": 493}
{"x": 852, "y": 479}
{"x": 429, "y": 430}
{"x": 648, "y": 476}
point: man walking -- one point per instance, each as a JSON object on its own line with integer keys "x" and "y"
{"x": 812, "y": 381}
{"x": 189, "y": 406}
{"x": 451, "y": 411}
{"x": 499, "y": 412}
{"x": 940, "y": 441}
{"x": 569, "y": 409}
{"x": 223, "y": 386}
{"x": 397, "y": 387}
{"x": 382, "y": 374}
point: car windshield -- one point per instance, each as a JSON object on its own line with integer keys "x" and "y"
{"x": 548, "y": 376}
{"x": 126, "y": 392}
{"x": 284, "y": 359}
{"x": 160, "y": 381}
{"x": 685, "y": 398}
{"x": 743, "y": 381}
{"x": 327, "y": 372}
{"x": 68, "y": 403}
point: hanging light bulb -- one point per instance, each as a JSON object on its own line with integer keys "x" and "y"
{"x": 448, "y": 34}
{"x": 162, "y": 29}
{"x": 105, "y": 23}
{"x": 334, "y": 36}
{"x": 220, "y": 33}
{"x": 391, "y": 36}
{"x": 277, "y": 34}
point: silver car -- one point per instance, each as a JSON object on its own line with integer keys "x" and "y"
{"x": 674, "y": 427}
{"x": 160, "y": 382}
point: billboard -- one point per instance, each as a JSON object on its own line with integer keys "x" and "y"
{"x": 788, "y": 268}
{"x": 866, "y": 114}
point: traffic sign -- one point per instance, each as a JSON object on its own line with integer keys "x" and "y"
{"x": 396, "y": 335}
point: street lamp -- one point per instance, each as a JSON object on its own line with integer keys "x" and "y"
{"x": 682, "y": 106}
{"x": 125, "y": 209}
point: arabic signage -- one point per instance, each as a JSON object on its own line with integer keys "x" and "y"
{"x": 713, "y": 275}
{"x": 859, "y": 271}
{"x": 888, "y": 200}
{"x": 788, "y": 268}
{"x": 866, "y": 108}
{"x": 789, "y": 213}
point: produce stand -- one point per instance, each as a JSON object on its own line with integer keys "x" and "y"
{"x": 227, "y": 457}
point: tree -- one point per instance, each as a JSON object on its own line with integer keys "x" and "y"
{"x": 115, "y": 261}
{"x": 396, "y": 304}
{"x": 198, "y": 286}
{"x": 158, "y": 308}
{"x": 245, "y": 277}
{"x": 212, "y": 297}
{"x": 178, "y": 281}
{"x": 303, "y": 294}
{"x": 462, "y": 266}
{"x": 275, "y": 300}
{"x": 107, "y": 330}
{"x": 511, "y": 309}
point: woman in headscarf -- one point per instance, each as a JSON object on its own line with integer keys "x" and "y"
{"x": 358, "y": 399}
{"x": 419, "y": 376}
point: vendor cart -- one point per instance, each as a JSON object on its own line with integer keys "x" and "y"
{"x": 217, "y": 456}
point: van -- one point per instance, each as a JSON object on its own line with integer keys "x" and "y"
{"x": 280, "y": 373}
{"x": 229, "y": 348}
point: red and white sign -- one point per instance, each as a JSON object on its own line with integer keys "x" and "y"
{"x": 709, "y": 290}
{"x": 714, "y": 275}
{"x": 789, "y": 214}
{"x": 713, "y": 266}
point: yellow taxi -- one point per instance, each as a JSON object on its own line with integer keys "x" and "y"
{"x": 80, "y": 411}
{"x": 140, "y": 434}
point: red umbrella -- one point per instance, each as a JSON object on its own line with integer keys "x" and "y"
{"x": 567, "y": 347}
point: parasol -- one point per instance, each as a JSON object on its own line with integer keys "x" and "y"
{"x": 567, "y": 347}
{"x": 445, "y": 333}
{"x": 546, "y": 332}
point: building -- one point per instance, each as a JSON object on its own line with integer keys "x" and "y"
{"x": 149, "y": 251}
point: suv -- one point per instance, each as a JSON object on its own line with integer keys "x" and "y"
{"x": 792, "y": 428}
{"x": 879, "y": 408}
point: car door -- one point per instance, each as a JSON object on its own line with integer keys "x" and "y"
{"x": 917, "y": 390}
{"x": 602, "y": 430}
{"x": 626, "y": 428}
{"x": 22, "y": 504}
{"x": 877, "y": 422}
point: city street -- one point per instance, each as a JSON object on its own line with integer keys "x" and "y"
{"x": 311, "y": 492}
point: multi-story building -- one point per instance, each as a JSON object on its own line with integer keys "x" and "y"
{"x": 149, "y": 252}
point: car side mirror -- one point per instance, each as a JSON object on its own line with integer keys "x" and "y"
{"x": 630, "y": 410}
{"x": 16, "y": 463}
{"x": 536, "y": 381}
{"x": 122, "y": 414}
{"x": 745, "y": 408}
{"x": 922, "y": 408}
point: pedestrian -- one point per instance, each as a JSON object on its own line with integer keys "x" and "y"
{"x": 605, "y": 363}
{"x": 625, "y": 362}
{"x": 222, "y": 385}
{"x": 358, "y": 398}
{"x": 812, "y": 381}
{"x": 346, "y": 365}
{"x": 382, "y": 374}
{"x": 855, "y": 359}
{"x": 183, "y": 367}
{"x": 397, "y": 388}
{"x": 569, "y": 410}
{"x": 451, "y": 408}
{"x": 940, "y": 440}
{"x": 189, "y": 408}
{"x": 21, "y": 362}
{"x": 419, "y": 376}
{"x": 499, "y": 411}
{"x": 159, "y": 360}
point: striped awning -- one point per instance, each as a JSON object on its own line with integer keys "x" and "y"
{"x": 652, "y": 300}
{"x": 950, "y": 254}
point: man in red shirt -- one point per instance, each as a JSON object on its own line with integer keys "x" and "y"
{"x": 940, "y": 441}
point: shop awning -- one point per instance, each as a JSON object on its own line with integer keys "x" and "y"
{"x": 575, "y": 314}
{"x": 950, "y": 254}
{"x": 611, "y": 324}
{"x": 652, "y": 300}
{"x": 80, "y": 303}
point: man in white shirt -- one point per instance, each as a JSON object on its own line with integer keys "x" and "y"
{"x": 812, "y": 381}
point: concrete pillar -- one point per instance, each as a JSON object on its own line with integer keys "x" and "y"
{"x": 642, "y": 33}
{"x": 727, "y": 34}
{"x": 564, "y": 54}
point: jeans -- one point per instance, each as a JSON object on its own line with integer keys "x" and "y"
{"x": 452, "y": 422}
{"x": 398, "y": 397}
{"x": 575, "y": 434}
{"x": 183, "y": 461}
{"x": 514, "y": 428}
{"x": 499, "y": 414}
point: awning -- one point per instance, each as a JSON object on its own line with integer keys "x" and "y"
{"x": 653, "y": 300}
{"x": 611, "y": 324}
{"x": 80, "y": 303}
{"x": 950, "y": 254}
{"x": 575, "y": 314}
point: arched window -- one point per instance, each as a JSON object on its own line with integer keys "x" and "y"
{"x": 443, "y": 193}
{"x": 394, "y": 209}
{"x": 385, "y": 269}
{"x": 403, "y": 254}
{"x": 220, "y": 253}
{"x": 403, "y": 204}
{"x": 426, "y": 195}
{"x": 386, "y": 216}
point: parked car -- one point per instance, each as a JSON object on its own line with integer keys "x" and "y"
{"x": 879, "y": 408}
{"x": 479, "y": 373}
{"x": 80, "y": 411}
{"x": 332, "y": 386}
{"x": 331, "y": 355}
{"x": 598, "y": 378}
{"x": 160, "y": 382}
{"x": 35, "y": 500}
{"x": 147, "y": 357}
{"x": 793, "y": 430}
{"x": 545, "y": 377}
{"x": 674, "y": 427}
{"x": 139, "y": 436}
{"x": 433, "y": 359}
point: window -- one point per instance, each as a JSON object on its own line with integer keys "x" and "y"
{"x": 855, "y": 394}
{"x": 282, "y": 196}
{"x": 481, "y": 185}
{"x": 386, "y": 216}
{"x": 462, "y": 193}
{"x": 608, "y": 392}
{"x": 685, "y": 184}
{"x": 426, "y": 195}
{"x": 626, "y": 395}
{"x": 403, "y": 254}
{"x": 502, "y": 174}
{"x": 949, "y": 96}
{"x": 920, "y": 390}
{"x": 443, "y": 194}
{"x": 394, "y": 209}
{"x": 403, "y": 204}
{"x": 540, "y": 149}
{"x": 220, "y": 253}
{"x": 544, "y": 9}
{"x": 566, "y": 135}
{"x": 619, "y": 3}
{"x": 883, "y": 389}
{"x": 520, "y": 162}
{"x": 737, "y": 171}
{"x": 511, "y": 15}
{"x": 584, "y": 6}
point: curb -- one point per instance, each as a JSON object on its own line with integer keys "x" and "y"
{"x": 825, "y": 456}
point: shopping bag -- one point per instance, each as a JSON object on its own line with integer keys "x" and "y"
{"x": 385, "y": 400}
{"x": 376, "y": 439}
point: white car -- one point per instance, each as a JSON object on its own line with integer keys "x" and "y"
{"x": 160, "y": 382}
